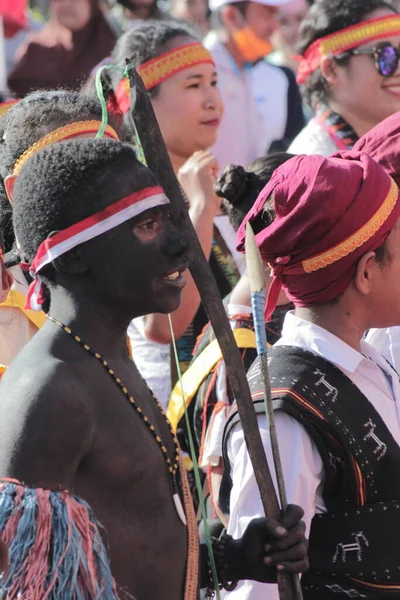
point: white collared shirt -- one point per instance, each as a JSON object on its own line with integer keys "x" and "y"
{"x": 313, "y": 139}
{"x": 302, "y": 464}
{"x": 256, "y": 106}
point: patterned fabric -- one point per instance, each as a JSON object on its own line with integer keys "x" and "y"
{"x": 352, "y": 552}
{"x": 342, "y": 134}
{"x": 207, "y": 399}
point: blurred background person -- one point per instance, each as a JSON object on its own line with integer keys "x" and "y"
{"x": 286, "y": 37}
{"x": 18, "y": 22}
{"x": 194, "y": 12}
{"x": 132, "y": 13}
{"x": 76, "y": 38}
{"x": 352, "y": 87}
{"x": 262, "y": 101}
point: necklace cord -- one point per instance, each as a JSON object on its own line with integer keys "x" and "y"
{"x": 196, "y": 469}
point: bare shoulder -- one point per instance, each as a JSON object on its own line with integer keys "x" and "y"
{"x": 46, "y": 421}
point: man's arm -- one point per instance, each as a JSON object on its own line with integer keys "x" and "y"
{"x": 46, "y": 427}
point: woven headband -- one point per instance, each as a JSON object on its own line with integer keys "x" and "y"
{"x": 67, "y": 132}
{"x": 346, "y": 39}
{"x": 155, "y": 71}
{"x": 88, "y": 229}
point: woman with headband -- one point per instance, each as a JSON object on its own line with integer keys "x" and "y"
{"x": 349, "y": 72}
{"x": 180, "y": 77}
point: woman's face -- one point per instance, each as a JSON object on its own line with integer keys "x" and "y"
{"x": 189, "y": 108}
{"x": 72, "y": 14}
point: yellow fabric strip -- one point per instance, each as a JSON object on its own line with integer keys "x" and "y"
{"x": 358, "y": 238}
{"x": 17, "y": 300}
{"x": 361, "y": 34}
{"x": 199, "y": 370}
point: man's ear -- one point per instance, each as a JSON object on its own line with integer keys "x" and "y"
{"x": 232, "y": 18}
{"x": 9, "y": 184}
{"x": 365, "y": 268}
{"x": 6, "y": 281}
{"x": 329, "y": 70}
{"x": 72, "y": 263}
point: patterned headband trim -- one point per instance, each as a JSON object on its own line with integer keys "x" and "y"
{"x": 88, "y": 229}
{"x": 358, "y": 238}
{"x": 346, "y": 39}
{"x": 63, "y": 133}
{"x": 6, "y": 106}
{"x": 157, "y": 70}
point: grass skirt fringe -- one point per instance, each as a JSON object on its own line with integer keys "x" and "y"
{"x": 54, "y": 546}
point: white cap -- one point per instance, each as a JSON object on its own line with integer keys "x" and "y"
{"x": 216, "y": 4}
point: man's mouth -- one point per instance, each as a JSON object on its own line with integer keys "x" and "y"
{"x": 176, "y": 277}
{"x": 173, "y": 276}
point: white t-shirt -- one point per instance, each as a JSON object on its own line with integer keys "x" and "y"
{"x": 256, "y": 105}
{"x": 313, "y": 139}
{"x": 302, "y": 464}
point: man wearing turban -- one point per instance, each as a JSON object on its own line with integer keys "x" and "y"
{"x": 328, "y": 228}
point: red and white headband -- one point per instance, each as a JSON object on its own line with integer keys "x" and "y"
{"x": 91, "y": 227}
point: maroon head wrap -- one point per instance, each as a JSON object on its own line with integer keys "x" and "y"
{"x": 329, "y": 212}
{"x": 382, "y": 143}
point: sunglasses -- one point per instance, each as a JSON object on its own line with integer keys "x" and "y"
{"x": 385, "y": 55}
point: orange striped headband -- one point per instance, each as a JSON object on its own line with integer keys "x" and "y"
{"x": 358, "y": 238}
{"x": 63, "y": 133}
{"x": 346, "y": 39}
{"x": 6, "y": 106}
{"x": 157, "y": 70}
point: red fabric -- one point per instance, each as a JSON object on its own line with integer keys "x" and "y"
{"x": 383, "y": 144}
{"x": 319, "y": 203}
{"x": 14, "y": 16}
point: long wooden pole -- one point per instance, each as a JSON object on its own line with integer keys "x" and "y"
{"x": 158, "y": 161}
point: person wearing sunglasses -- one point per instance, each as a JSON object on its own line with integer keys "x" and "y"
{"x": 349, "y": 71}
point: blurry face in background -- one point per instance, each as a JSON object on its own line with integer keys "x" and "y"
{"x": 72, "y": 14}
{"x": 360, "y": 90}
{"x": 262, "y": 19}
{"x": 194, "y": 12}
{"x": 290, "y": 17}
{"x": 189, "y": 107}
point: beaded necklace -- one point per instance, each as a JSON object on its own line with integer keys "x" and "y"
{"x": 172, "y": 467}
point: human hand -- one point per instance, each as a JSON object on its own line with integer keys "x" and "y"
{"x": 197, "y": 177}
{"x": 267, "y": 545}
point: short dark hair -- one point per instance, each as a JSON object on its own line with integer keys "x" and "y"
{"x": 28, "y": 121}
{"x": 240, "y": 187}
{"x": 326, "y": 17}
{"x": 67, "y": 182}
{"x": 146, "y": 42}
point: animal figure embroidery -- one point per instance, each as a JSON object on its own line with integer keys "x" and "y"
{"x": 342, "y": 550}
{"x": 381, "y": 448}
{"x": 332, "y": 392}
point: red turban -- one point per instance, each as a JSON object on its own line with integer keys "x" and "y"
{"x": 383, "y": 144}
{"x": 329, "y": 212}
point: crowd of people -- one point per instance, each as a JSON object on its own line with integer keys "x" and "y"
{"x": 282, "y": 114}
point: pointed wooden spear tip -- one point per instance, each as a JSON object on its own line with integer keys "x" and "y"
{"x": 254, "y": 263}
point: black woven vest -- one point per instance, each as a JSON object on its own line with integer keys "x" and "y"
{"x": 355, "y": 547}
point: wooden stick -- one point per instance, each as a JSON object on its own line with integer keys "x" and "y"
{"x": 159, "y": 162}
